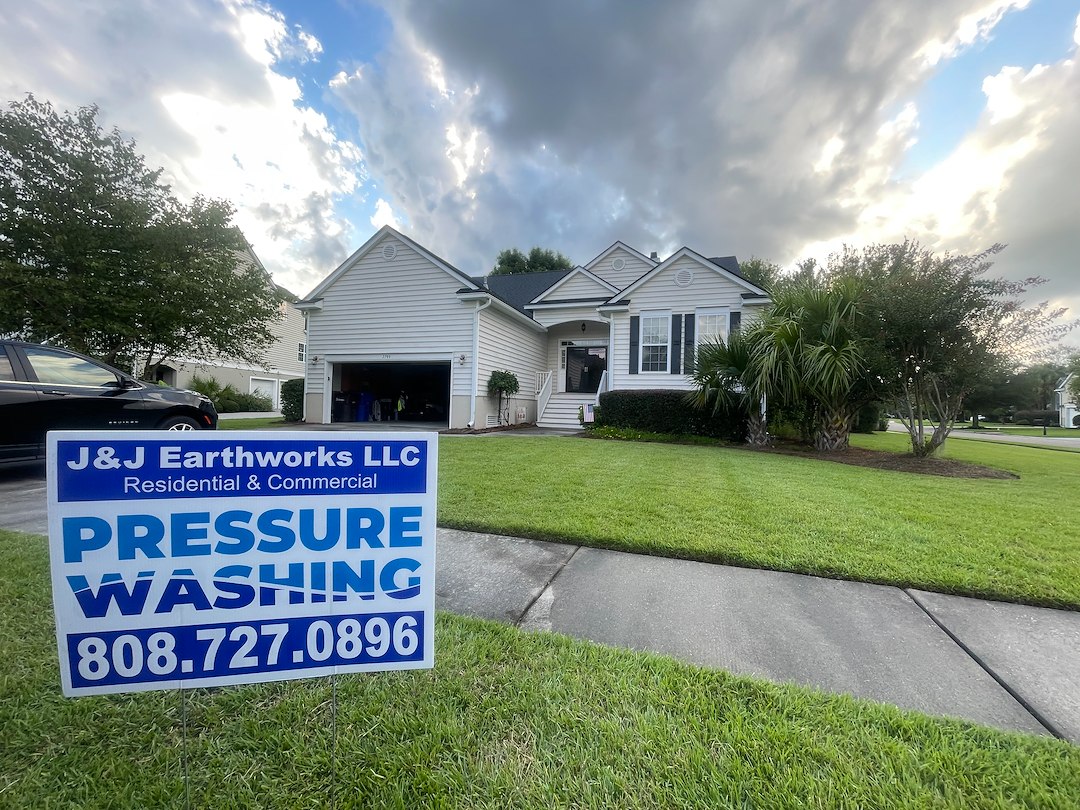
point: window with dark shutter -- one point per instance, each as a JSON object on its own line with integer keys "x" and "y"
{"x": 635, "y": 336}
{"x": 688, "y": 344}
{"x": 736, "y": 322}
{"x": 676, "y": 344}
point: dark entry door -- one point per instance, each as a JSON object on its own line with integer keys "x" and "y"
{"x": 584, "y": 367}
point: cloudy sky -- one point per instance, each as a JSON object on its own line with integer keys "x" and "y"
{"x": 781, "y": 129}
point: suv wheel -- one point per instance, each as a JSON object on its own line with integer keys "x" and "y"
{"x": 179, "y": 423}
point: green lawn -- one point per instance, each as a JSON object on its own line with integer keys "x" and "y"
{"x": 506, "y": 719}
{"x": 1017, "y": 540}
{"x": 252, "y": 423}
{"x": 1010, "y": 430}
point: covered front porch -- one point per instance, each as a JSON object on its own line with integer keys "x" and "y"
{"x": 578, "y": 356}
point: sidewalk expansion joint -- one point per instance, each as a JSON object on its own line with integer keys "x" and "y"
{"x": 547, "y": 585}
{"x": 1045, "y": 722}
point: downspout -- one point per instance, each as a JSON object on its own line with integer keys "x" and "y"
{"x": 475, "y": 357}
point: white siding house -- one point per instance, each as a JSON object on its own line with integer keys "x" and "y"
{"x": 397, "y": 324}
{"x": 1065, "y": 402}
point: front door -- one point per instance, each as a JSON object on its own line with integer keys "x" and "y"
{"x": 584, "y": 367}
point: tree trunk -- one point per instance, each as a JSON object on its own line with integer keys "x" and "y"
{"x": 757, "y": 434}
{"x": 834, "y": 427}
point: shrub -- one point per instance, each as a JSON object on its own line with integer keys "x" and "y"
{"x": 1031, "y": 417}
{"x": 668, "y": 412}
{"x": 502, "y": 384}
{"x": 869, "y": 418}
{"x": 227, "y": 399}
{"x": 292, "y": 400}
{"x": 1076, "y": 420}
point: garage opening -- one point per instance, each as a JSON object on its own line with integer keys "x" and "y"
{"x": 370, "y": 392}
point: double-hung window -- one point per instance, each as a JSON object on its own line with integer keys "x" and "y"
{"x": 655, "y": 337}
{"x": 712, "y": 325}
{"x": 301, "y": 352}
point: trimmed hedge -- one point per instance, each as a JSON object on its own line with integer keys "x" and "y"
{"x": 1030, "y": 417}
{"x": 665, "y": 411}
{"x": 292, "y": 400}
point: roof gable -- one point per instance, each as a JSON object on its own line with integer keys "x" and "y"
{"x": 579, "y": 283}
{"x": 377, "y": 240}
{"x": 750, "y": 290}
{"x": 592, "y": 264}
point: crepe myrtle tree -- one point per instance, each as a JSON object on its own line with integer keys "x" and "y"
{"x": 939, "y": 329}
{"x": 98, "y": 255}
{"x": 503, "y": 384}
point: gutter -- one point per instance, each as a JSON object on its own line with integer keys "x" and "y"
{"x": 480, "y": 305}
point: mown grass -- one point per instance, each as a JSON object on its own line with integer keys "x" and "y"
{"x": 1016, "y": 540}
{"x": 252, "y": 423}
{"x": 506, "y": 719}
{"x": 1009, "y": 430}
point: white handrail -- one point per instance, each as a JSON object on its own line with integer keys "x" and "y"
{"x": 543, "y": 393}
{"x": 602, "y": 387}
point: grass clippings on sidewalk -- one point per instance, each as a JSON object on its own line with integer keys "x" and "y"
{"x": 1016, "y": 540}
{"x": 506, "y": 719}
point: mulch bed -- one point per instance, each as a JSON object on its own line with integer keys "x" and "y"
{"x": 897, "y": 462}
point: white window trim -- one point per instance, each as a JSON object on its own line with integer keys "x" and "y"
{"x": 666, "y": 316}
{"x": 301, "y": 352}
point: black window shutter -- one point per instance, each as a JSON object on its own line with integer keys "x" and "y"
{"x": 635, "y": 337}
{"x": 688, "y": 344}
{"x": 676, "y": 344}
{"x": 735, "y": 321}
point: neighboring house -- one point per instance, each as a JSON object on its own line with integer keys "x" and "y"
{"x": 284, "y": 360}
{"x": 396, "y": 319}
{"x": 1065, "y": 402}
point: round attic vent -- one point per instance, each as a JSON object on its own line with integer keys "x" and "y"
{"x": 618, "y": 263}
{"x": 684, "y": 278}
{"x": 389, "y": 251}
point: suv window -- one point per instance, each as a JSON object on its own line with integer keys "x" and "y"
{"x": 57, "y": 368}
{"x": 6, "y": 371}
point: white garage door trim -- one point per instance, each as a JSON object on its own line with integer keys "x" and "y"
{"x": 274, "y": 388}
{"x": 342, "y": 359}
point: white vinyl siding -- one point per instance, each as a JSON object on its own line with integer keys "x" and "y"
{"x": 506, "y": 345}
{"x": 578, "y": 285}
{"x": 397, "y": 310}
{"x": 655, "y": 343}
{"x": 634, "y": 267}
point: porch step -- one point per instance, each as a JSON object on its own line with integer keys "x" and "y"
{"x": 561, "y": 412}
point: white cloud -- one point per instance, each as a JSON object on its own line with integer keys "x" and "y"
{"x": 384, "y": 215}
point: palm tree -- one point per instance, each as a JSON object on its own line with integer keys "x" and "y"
{"x": 808, "y": 348}
{"x": 721, "y": 375}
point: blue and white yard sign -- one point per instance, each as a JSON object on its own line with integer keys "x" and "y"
{"x": 185, "y": 559}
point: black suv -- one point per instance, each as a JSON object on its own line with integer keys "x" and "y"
{"x": 43, "y": 388}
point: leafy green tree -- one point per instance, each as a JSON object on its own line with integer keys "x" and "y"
{"x": 940, "y": 329}
{"x": 538, "y": 260}
{"x": 98, "y": 255}
{"x": 760, "y": 272}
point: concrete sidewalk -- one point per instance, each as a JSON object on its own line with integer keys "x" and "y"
{"x": 1009, "y": 666}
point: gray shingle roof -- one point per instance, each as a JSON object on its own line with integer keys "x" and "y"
{"x": 518, "y": 289}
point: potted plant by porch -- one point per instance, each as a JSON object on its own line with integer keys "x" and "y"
{"x": 503, "y": 384}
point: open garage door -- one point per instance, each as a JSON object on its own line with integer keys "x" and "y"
{"x": 370, "y": 392}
